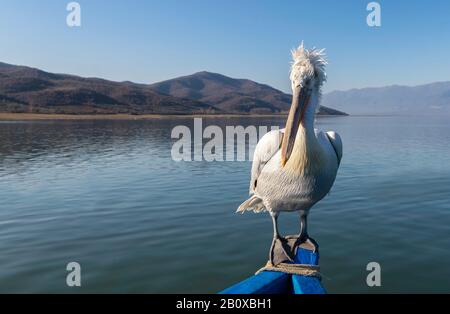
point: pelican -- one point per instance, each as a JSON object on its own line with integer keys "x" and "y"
{"x": 295, "y": 167}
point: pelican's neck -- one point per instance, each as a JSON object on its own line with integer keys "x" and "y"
{"x": 308, "y": 120}
{"x": 306, "y": 153}
{"x": 306, "y": 134}
{"x": 306, "y": 139}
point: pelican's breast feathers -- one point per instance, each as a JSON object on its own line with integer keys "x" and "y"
{"x": 279, "y": 187}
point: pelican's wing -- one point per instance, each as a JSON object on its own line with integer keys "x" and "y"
{"x": 266, "y": 148}
{"x": 336, "y": 142}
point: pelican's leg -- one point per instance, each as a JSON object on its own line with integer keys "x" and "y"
{"x": 276, "y": 233}
{"x": 303, "y": 236}
{"x": 280, "y": 240}
{"x": 276, "y": 236}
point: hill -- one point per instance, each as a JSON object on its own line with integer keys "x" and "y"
{"x": 30, "y": 90}
{"x": 229, "y": 94}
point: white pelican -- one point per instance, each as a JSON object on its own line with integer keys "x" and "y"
{"x": 295, "y": 167}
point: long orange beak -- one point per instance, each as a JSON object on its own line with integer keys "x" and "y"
{"x": 300, "y": 100}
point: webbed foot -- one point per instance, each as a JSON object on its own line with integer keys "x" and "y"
{"x": 306, "y": 242}
{"x": 280, "y": 251}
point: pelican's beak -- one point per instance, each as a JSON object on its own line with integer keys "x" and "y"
{"x": 300, "y": 100}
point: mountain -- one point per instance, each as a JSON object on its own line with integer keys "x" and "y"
{"x": 431, "y": 98}
{"x": 24, "y": 89}
{"x": 229, "y": 94}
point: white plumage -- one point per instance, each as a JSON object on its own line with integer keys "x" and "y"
{"x": 295, "y": 167}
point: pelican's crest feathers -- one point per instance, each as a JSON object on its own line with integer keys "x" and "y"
{"x": 308, "y": 63}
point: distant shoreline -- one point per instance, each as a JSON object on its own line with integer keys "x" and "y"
{"x": 4, "y": 116}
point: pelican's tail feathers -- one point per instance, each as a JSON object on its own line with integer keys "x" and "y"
{"x": 254, "y": 204}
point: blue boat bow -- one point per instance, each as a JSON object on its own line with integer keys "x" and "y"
{"x": 274, "y": 282}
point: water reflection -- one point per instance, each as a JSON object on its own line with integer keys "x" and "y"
{"x": 107, "y": 194}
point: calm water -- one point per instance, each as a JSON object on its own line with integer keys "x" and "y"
{"x": 108, "y": 195}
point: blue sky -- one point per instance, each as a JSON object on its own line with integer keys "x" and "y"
{"x": 147, "y": 41}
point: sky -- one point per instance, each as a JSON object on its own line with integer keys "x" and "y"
{"x": 147, "y": 41}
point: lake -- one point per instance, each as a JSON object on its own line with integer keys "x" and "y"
{"x": 108, "y": 195}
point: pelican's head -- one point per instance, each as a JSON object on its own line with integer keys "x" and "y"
{"x": 307, "y": 76}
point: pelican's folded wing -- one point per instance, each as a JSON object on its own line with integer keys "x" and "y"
{"x": 336, "y": 142}
{"x": 266, "y": 148}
